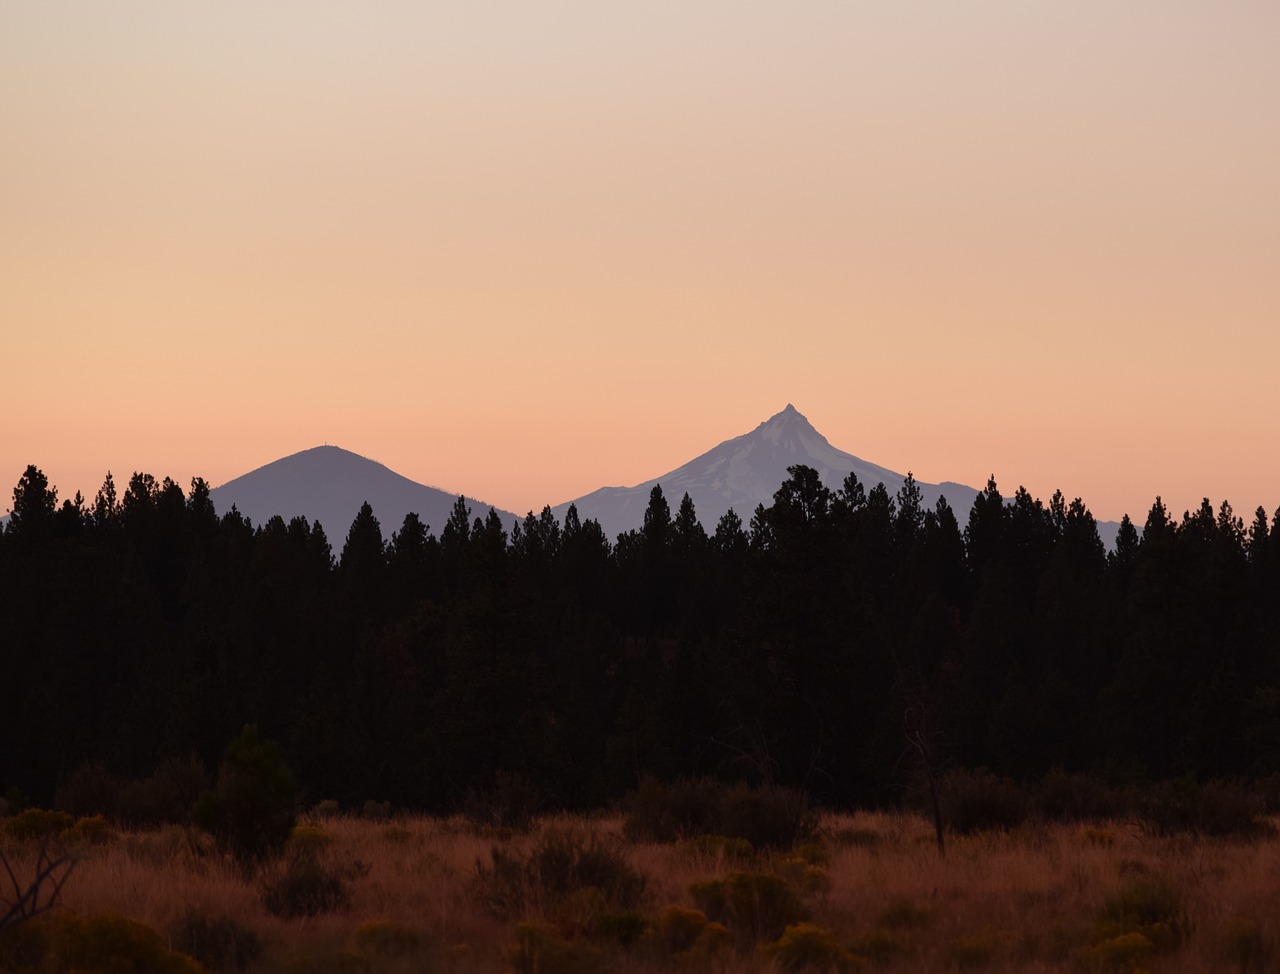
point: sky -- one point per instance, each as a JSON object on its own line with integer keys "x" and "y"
{"x": 525, "y": 250}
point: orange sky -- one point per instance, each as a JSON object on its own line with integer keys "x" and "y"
{"x": 524, "y": 250}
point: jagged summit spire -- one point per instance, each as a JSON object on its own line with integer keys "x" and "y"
{"x": 791, "y": 422}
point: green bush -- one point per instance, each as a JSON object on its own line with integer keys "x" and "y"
{"x": 326, "y": 809}
{"x": 1124, "y": 953}
{"x": 677, "y": 928}
{"x": 327, "y": 960}
{"x": 1148, "y": 905}
{"x": 96, "y": 944}
{"x": 805, "y": 876}
{"x": 308, "y": 840}
{"x": 775, "y": 818}
{"x": 251, "y": 809}
{"x": 539, "y": 949}
{"x": 92, "y": 831}
{"x": 37, "y": 823}
{"x": 977, "y": 801}
{"x": 804, "y": 947}
{"x": 218, "y": 943}
{"x": 754, "y": 906}
{"x": 718, "y": 847}
{"x": 620, "y": 928}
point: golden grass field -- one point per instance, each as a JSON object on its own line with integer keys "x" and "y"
{"x": 1042, "y": 898}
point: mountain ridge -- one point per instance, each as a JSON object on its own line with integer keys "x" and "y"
{"x": 326, "y": 482}
{"x": 746, "y": 470}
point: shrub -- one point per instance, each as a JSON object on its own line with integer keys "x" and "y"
{"x": 1128, "y": 868}
{"x": 1065, "y": 797}
{"x": 977, "y": 950}
{"x": 310, "y": 884}
{"x": 162, "y": 847}
{"x": 718, "y": 847}
{"x": 710, "y": 950}
{"x": 167, "y": 795}
{"x": 766, "y": 818}
{"x": 902, "y": 914}
{"x": 774, "y": 818}
{"x": 1102, "y": 838}
{"x": 811, "y": 879}
{"x": 14, "y": 801}
{"x": 804, "y": 947}
{"x": 754, "y": 906}
{"x": 96, "y": 944}
{"x": 561, "y": 863}
{"x": 326, "y": 809}
{"x": 624, "y": 929}
{"x": 90, "y": 790}
{"x": 658, "y": 812}
{"x": 383, "y": 938}
{"x": 1127, "y": 952}
{"x": 92, "y": 831}
{"x": 1218, "y": 808}
{"x": 976, "y": 801}
{"x": 677, "y": 928}
{"x": 858, "y": 838}
{"x": 1148, "y": 905}
{"x": 814, "y": 853}
{"x": 539, "y": 949}
{"x": 251, "y": 810}
{"x": 1244, "y": 946}
{"x": 218, "y": 943}
{"x": 510, "y": 803}
{"x": 397, "y": 834}
{"x": 37, "y": 823}
{"x": 308, "y": 840}
{"x": 576, "y": 913}
{"x": 879, "y": 947}
{"x": 320, "y": 960}
{"x": 376, "y": 811}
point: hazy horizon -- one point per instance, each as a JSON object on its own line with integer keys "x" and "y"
{"x": 526, "y": 251}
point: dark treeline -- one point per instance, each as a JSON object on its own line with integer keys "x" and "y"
{"x": 801, "y": 649}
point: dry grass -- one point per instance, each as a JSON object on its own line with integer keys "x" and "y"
{"x": 1029, "y": 900}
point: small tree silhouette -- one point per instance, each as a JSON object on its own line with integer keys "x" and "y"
{"x": 251, "y": 810}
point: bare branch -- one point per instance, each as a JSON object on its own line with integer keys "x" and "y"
{"x": 44, "y": 890}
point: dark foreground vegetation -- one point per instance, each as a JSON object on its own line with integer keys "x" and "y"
{"x": 571, "y": 894}
{"x": 850, "y": 645}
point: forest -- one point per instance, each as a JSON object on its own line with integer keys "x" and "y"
{"x": 840, "y": 643}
